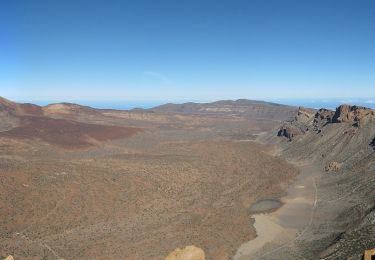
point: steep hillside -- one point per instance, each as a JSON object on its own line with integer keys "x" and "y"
{"x": 343, "y": 135}
{"x": 341, "y": 143}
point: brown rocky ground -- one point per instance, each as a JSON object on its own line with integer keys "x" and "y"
{"x": 82, "y": 183}
{"x": 66, "y": 133}
{"x": 131, "y": 184}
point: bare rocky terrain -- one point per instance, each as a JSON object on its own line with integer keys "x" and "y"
{"x": 84, "y": 183}
{"x": 81, "y": 183}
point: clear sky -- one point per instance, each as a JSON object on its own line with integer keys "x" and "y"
{"x": 186, "y": 49}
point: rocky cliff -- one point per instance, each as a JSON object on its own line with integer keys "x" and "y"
{"x": 298, "y": 126}
{"x": 309, "y": 120}
{"x": 358, "y": 116}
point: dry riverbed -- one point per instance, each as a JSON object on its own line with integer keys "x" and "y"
{"x": 282, "y": 227}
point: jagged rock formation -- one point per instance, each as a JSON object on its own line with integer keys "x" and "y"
{"x": 298, "y": 126}
{"x": 310, "y": 120}
{"x": 289, "y": 131}
{"x": 353, "y": 114}
{"x": 304, "y": 115}
{"x": 321, "y": 118}
{"x": 188, "y": 253}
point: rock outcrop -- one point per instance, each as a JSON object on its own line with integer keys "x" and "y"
{"x": 297, "y": 126}
{"x": 356, "y": 115}
{"x": 332, "y": 167}
{"x": 188, "y": 253}
{"x": 322, "y": 118}
{"x": 289, "y": 131}
{"x": 307, "y": 119}
{"x": 304, "y": 115}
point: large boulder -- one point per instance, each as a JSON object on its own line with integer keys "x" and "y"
{"x": 187, "y": 253}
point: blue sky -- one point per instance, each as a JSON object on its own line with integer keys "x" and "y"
{"x": 179, "y": 50}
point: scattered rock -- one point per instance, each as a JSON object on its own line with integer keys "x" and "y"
{"x": 333, "y": 167}
{"x": 188, "y": 253}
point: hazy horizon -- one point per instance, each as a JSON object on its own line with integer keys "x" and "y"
{"x": 331, "y": 103}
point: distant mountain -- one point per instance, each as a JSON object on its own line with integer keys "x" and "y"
{"x": 264, "y": 115}
{"x": 56, "y": 124}
{"x": 242, "y": 107}
{"x": 13, "y": 108}
{"x": 8, "y": 117}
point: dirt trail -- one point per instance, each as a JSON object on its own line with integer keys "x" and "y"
{"x": 284, "y": 226}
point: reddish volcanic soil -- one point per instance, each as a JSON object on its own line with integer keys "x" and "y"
{"x": 66, "y": 133}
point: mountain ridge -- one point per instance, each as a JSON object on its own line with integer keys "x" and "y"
{"x": 341, "y": 144}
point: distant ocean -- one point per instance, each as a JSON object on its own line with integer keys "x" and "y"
{"x": 125, "y": 105}
{"x": 327, "y": 103}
